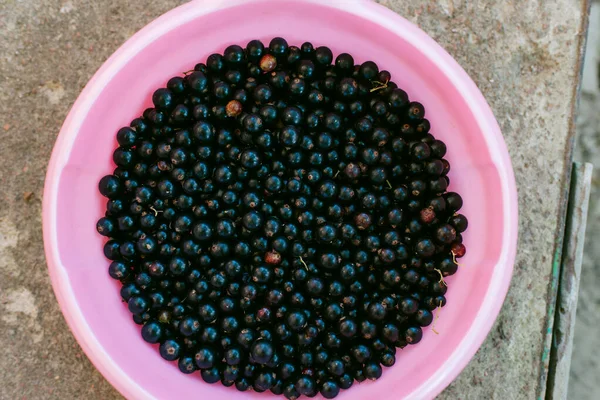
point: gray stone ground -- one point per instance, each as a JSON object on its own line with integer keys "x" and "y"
{"x": 585, "y": 366}
{"x": 524, "y": 56}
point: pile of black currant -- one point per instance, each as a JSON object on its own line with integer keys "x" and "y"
{"x": 280, "y": 220}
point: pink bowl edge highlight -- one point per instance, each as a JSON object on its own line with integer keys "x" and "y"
{"x": 367, "y": 9}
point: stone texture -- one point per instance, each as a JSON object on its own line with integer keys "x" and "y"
{"x": 570, "y": 275}
{"x": 585, "y": 363}
{"x": 523, "y": 55}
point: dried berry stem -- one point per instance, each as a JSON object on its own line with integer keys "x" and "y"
{"x": 381, "y": 85}
{"x": 454, "y": 259}
{"x": 437, "y": 315}
{"x": 442, "y": 281}
{"x": 303, "y": 263}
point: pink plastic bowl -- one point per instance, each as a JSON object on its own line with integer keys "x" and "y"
{"x": 121, "y": 90}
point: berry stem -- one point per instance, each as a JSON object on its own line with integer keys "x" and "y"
{"x": 454, "y": 259}
{"x": 437, "y": 315}
{"x": 155, "y": 211}
{"x": 381, "y": 85}
{"x": 442, "y": 281}
{"x": 303, "y": 263}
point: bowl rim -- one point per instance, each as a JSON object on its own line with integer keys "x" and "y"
{"x": 368, "y": 9}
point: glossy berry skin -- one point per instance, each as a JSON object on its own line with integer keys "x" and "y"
{"x": 348, "y": 328}
{"x": 250, "y": 159}
{"x": 280, "y": 218}
{"x": 205, "y": 358}
{"x": 189, "y": 326}
{"x": 152, "y": 332}
{"x": 110, "y": 186}
{"x": 330, "y": 389}
{"x": 186, "y": 365}
{"x": 197, "y": 81}
{"x": 163, "y": 99}
{"x": 425, "y": 248}
{"x": 296, "y": 321}
{"x": 170, "y": 350}
{"x": 118, "y": 270}
{"x": 262, "y": 352}
{"x": 445, "y": 234}
{"x": 278, "y": 46}
{"x": 413, "y": 335}
{"x": 210, "y": 375}
{"x": 306, "y": 386}
{"x": 458, "y": 250}
{"x": 372, "y": 371}
{"x": 137, "y": 305}
{"x": 459, "y": 222}
{"x": 255, "y": 49}
{"x": 252, "y": 220}
{"x": 106, "y": 227}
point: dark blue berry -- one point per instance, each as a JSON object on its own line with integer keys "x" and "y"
{"x": 110, "y": 186}
{"x": 152, "y": 332}
{"x": 170, "y": 349}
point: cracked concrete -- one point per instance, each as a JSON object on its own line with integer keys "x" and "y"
{"x": 524, "y": 55}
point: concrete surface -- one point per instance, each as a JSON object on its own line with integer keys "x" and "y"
{"x": 585, "y": 363}
{"x": 559, "y": 370}
{"x": 524, "y": 55}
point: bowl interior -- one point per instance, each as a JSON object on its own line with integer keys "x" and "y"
{"x": 475, "y": 174}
